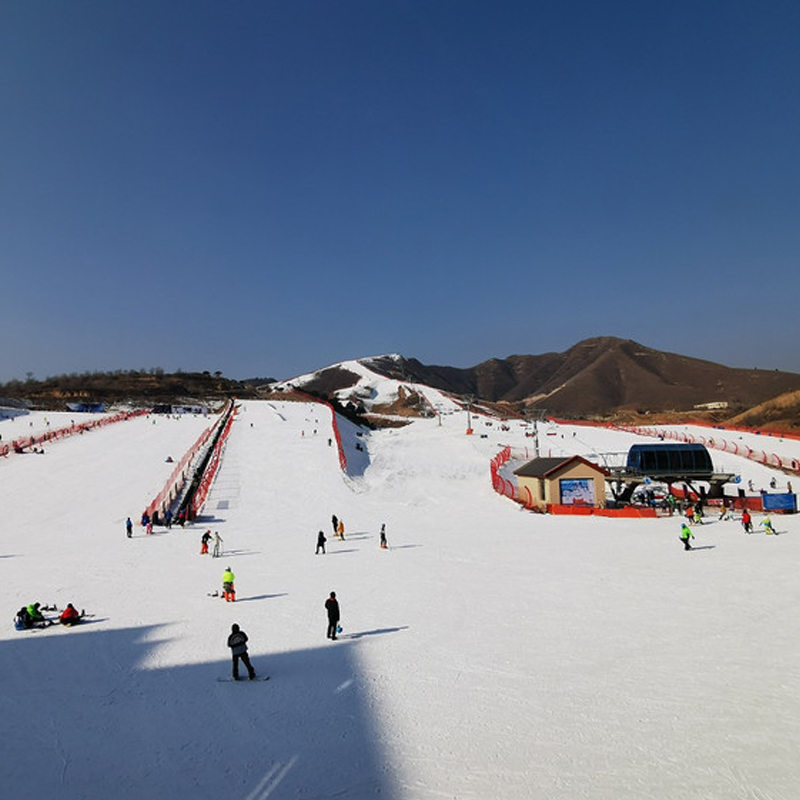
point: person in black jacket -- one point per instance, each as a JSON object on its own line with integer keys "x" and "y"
{"x": 320, "y": 543}
{"x": 332, "y": 607}
{"x": 237, "y": 641}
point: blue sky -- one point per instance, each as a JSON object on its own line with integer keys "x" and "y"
{"x": 264, "y": 188}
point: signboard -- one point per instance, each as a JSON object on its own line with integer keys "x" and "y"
{"x": 780, "y": 502}
{"x": 577, "y": 491}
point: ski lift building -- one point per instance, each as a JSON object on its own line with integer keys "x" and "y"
{"x": 571, "y": 481}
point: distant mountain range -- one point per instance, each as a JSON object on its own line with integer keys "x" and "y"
{"x": 604, "y": 377}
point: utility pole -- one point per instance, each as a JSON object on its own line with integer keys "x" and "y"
{"x": 537, "y": 415}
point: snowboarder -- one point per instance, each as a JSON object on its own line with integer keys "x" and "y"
{"x": 204, "y": 540}
{"x": 767, "y": 523}
{"x": 332, "y": 607}
{"x": 686, "y": 534}
{"x": 237, "y": 641}
{"x": 747, "y": 522}
{"x": 129, "y": 527}
{"x": 320, "y": 543}
{"x": 384, "y": 544}
{"x": 69, "y": 616}
{"x": 341, "y": 529}
{"x": 335, "y": 523}
{"x": 228, "y": 590}
{"x": 217, "y": 552}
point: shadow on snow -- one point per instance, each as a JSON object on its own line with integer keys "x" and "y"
{"x": 92, "y": 720}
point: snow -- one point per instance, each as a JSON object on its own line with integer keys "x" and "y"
{"x": 490, "y": 652}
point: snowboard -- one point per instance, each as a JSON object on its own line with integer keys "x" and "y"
{"x": 257, "y": 679}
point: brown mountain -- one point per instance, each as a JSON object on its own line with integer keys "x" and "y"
{"x": 601, "y": 377}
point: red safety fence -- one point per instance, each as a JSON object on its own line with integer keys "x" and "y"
{"x": 210, "y": 472}
{"x": 24, "y": 442}
{"x": 180, "y": 476}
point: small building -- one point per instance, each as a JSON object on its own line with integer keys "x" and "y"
{"x": 566, "y": 481}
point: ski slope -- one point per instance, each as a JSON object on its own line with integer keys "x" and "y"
{"x": 489, "y": 653}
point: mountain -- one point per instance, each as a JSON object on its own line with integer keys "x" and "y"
{"x": 600, "y": 378}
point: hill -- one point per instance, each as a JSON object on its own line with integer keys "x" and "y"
{"x": 126, "y": 387}
{"x": 602, "y": 378}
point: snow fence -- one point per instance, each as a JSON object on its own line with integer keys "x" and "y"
{"x": 24, "y": 442}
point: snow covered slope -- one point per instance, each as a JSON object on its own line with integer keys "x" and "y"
{"x": 489, "y": 653}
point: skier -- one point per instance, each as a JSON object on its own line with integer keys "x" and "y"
{"x": 384, "y": 544}
{"x": 168, "y": 519}
{"x": 332, "y": 607}
{"x": 237, "y": 641}
{"x": 686, "y": 534}
{"x": 129, "y": 527}
{"x": 217, "y": 552}
{"x": 320, "y": 543}
{"x": 69, "y": 616}
{"x": 341, "y": 529}
{"x": 204, "y": 540}
{"x": 228, "y": 590}
{"x": 335, "y": 523}
{"x": 747, "y": 522}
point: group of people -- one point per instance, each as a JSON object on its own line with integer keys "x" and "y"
{"x": 31, "y": 616}
{"x": 238, "y": 639}
{"x": 148, "y": 522}
{"x": 338, "y": 532}
{"x": 205, "y": 539}
{"x": 747, "y": 523}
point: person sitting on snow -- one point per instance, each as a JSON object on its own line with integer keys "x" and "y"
{"x": 23, "y": 621}
{"x": 69, "y": 616}
{"x": 34, "y": 612}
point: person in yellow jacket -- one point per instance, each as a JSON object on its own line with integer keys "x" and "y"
{"x": 228, "y": 590}
{"x": 686, "y": 534}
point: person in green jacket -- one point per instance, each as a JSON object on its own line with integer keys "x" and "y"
{"x": 228, "y": 590}
{"x": 686, "y": 534}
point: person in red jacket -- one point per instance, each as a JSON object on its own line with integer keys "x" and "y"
{"x": 69, "y": 616}
{"x": 747, "y": 523}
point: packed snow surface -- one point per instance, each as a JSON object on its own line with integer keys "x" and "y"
{"x": 489, "y": 653}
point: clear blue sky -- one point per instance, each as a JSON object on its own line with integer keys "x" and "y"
{"x": 264, "y": 188}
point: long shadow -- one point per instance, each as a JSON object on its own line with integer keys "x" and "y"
{"x": 705, "y": 547}
{"x": 95, "y": 716}
{"x": 403, "y": 546}
{"x": 236, "y": 553}
{"x": 337, "y": 552}
{"x": 375, "y": 632}
{"x": 261, "y": 597}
